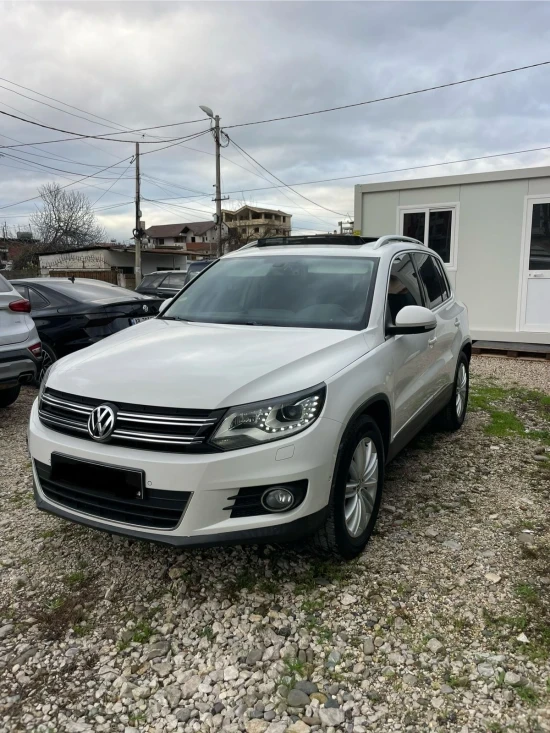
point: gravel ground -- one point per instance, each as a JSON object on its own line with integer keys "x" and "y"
{"x": 442, "y": 624}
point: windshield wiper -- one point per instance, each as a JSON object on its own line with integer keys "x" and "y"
{"x": 174, "y": 318}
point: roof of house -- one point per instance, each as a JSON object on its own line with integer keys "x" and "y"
{"x": 174, "y": 230}
{"x": 255, "y": 208}
{"x": 459, "y": 180}
{"x": 119, "y": 248}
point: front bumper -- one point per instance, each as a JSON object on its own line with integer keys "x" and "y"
{"x": 212, "y": 479}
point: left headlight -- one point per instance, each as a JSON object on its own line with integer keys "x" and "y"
{"x": 262, "y": 422}
{"x": 44, "y": 382}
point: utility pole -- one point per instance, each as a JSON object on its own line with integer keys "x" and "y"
{"x": 218, "y": 187}
{"x": 137, "y": 230}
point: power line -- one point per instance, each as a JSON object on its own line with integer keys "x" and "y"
{"x": 51, "y": 106}
{"x": 392, "y": 96}
{"x": 79, "y": 135}
{"x": 381, "y": 173}
{"x": 261, "y": 175}
{"x": 65, "y": 104}
{"x": 72, "y": 183}
{"x": 112, "y": 184}
{"x": 57, "y": 158}
{"x": 338, "y": 213}
{"x": 49, "y": 167}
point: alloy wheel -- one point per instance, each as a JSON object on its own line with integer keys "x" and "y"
{"x": 461, "y": 389}
{"x": 361, "y": 487}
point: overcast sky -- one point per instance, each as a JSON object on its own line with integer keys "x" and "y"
{"x": 153, "y": 63}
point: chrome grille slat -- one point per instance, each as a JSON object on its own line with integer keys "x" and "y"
{"x": 66, "y": 405}
{"x": 156, "y": 437}
{"x": 65, "y": 422}
{"x": 148, "y": 429}
{"x": 164, "y": 420}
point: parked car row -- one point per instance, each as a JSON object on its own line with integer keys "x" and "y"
{"x": 70, "y": 314}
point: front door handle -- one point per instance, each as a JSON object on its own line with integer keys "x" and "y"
{"x": 431, "y": 342}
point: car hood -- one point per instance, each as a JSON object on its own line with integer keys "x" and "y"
{"x": 205, "y": 366}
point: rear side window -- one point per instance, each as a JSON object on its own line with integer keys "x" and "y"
{"x": 22, "y": 290}
{"x": 37, "y": 300}
{"x": 5, "y": 287}
{"x": 151, "y": 281}
{"x": 431, "y": 279}
{"x": 174, "y": 280}
{"x": 403, "y": 286}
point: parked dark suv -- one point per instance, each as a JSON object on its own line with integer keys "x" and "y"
{"x": 164, "y": 284}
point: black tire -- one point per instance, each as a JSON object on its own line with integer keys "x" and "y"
{"x": 8, "y": 396}
{"x": 451, "y": 418}
{"x": 333, "y": 538}
{"x": 48, "y": 358}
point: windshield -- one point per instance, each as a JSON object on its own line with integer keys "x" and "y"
{"x": 281, "y": 290}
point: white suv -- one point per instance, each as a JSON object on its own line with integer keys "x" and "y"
{"x": 262, "y": 404}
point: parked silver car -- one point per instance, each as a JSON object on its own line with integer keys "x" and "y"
{"x": 20, "y": 348}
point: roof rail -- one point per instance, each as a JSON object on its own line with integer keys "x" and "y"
{"x": 394, "y": 238}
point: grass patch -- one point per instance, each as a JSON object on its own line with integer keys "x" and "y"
{"x": 142, "y": 632}
{"x": 505, "y": 422}
{"x": 527, "y": 593}
{"x": 312, "y": 605}
{"x": 208, "y": 633}
{"x": 527, "y": 694}
{"x": 76, "y": 579}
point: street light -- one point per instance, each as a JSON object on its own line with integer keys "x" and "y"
{"x": 207, "y": 111}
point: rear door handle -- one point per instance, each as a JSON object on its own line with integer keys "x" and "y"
{"x": 431, "y": 342}
{"x": 457, "y": 321}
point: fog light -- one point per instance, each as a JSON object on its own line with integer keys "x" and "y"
{"x": 278, "y": 499}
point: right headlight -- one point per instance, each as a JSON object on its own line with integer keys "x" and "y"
{"x": 263, "y": 422}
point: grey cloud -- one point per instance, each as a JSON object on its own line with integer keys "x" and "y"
{"x": 153, "y": 63}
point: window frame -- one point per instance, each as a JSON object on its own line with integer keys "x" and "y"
{"x": 440, "y": 268}
{"x": 423, "y": 296}
{"x": 453, "y": 206}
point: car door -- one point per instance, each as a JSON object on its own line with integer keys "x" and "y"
{"x": 440, "y": 299}
{"x": 411, "y": 354}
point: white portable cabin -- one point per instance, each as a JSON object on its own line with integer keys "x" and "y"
{"x": 493, "y": 232}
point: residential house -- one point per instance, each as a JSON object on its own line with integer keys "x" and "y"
{"x": 492, "y": 231}
{"x": 198, "y": 237}
{"x": 251, "y": 222}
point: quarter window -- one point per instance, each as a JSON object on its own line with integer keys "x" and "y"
{"x": 403, "y": 287}
{"x": 434, "y": 227}
{"x": 431, "y": 279}
{"x": 37, "y": 300}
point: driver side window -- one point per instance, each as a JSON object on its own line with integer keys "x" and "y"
{"x": 403, "y": 287}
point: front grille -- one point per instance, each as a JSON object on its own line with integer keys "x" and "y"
{"x": 157, "y": 510}
{"x": 137, "y": 426}
{"x": 248, "y": 501}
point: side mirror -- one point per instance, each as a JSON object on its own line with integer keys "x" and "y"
{"x": 413, "y": 319}
{"x": 164, "y": 305}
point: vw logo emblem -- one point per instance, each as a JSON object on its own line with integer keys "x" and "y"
{"x": 101, "y": 422}
{"x": 146, "y": 309}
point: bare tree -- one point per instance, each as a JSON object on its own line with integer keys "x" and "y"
{"x": 66, "y": 219}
